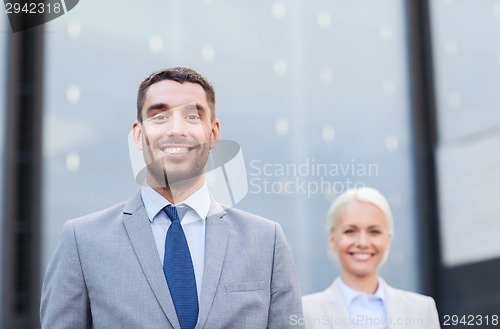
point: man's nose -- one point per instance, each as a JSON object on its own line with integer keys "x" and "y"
{"x": 177, "y": 126}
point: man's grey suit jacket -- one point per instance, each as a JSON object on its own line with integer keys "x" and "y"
{"x": 106, "y": 273}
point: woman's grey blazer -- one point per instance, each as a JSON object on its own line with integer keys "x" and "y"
{"x": 405, "y": 309}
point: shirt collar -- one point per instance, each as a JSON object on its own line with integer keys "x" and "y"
{"x": 199, "y": 201}
{"x": 349, "y": 293}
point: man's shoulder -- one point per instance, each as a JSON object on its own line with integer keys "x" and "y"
{"x": 247, "y": 218}
{"x": 107, "y": 215}
{"x": 101, "y": 214}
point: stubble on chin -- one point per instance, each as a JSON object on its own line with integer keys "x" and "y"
{"x": 161, "y": 174}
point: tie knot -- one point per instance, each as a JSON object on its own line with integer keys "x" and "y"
{"x": 171, "y": 212}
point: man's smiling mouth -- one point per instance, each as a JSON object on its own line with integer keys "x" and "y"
{"x": 175, "y": 150}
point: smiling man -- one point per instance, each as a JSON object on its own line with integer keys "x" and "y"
{"x": 176, "y": 134}
{"x": 172, "y": 256}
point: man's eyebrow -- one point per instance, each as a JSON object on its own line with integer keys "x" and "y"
{"x": 194, "y": 106}
{"x": 157, "y": 106}
{"x": 166, "y": 107}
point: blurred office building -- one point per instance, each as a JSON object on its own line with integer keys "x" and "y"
{"x": 320, "y": 96}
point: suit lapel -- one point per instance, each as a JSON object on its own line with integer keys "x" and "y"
{"x": 394, "y": 306}
{"x": 334, "y": 304}
{"x": 216, "y": 238}
{"x": 140, "y": 235}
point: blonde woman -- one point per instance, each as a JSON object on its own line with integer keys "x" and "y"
{"x": 360, "y": 230}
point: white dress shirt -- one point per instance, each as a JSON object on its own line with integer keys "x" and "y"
{"x": 195, "y": 209}
{"x": 365, "y": 310}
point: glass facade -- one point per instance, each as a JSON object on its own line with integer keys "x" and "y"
{"x": 316, "y": 96}
{"x": 467, "y": 83}
{"x": 467, "y": 62}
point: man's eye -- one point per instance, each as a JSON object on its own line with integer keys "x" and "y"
{"x": 160, "y": 118}
{"x": 348, "y": 231}
{"x": 193, "y": 117}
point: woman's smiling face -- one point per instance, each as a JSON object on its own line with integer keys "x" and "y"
{"x": 360, "y": 239}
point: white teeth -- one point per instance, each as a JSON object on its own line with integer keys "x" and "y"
{"x": 175, "y": 150}
{"x": 359, "y": 256}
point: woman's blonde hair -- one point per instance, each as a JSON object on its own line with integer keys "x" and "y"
{"x": 363, "y": 194}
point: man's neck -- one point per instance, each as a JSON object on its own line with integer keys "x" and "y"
{"x": 178, "y": 192}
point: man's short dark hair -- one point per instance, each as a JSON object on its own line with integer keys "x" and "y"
{"x": 178, "y": 74}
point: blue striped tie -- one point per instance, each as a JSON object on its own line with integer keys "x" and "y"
{"x": 179, "y": 272}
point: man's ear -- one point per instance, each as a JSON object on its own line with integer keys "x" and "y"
{"x": 138, "y": 134}
{"x": 215, "y": 134}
